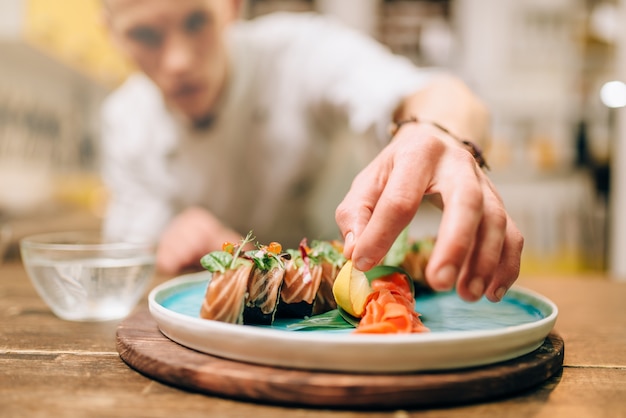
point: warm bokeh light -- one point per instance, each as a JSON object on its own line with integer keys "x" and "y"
{"x": 75, "y": 33}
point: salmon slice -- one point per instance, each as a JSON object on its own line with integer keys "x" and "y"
{"x": 300, "y": 283}
{"x": 300, "y": 286}
{"x": 225, "y": 296}
{"x": 390, "y": 308}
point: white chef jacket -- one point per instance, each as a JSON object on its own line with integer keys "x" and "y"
{"x": 308, "y": 103}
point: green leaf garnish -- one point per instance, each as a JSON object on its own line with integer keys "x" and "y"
{"x": 352, "y": 320}
{"x": 265, "y": 260}
{"x": 328, "y": 320}
{"x": 220, "y": 261}
{"x": 217, "y": 261}
{"x": 324, "y": 251}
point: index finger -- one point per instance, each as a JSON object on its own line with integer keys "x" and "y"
{"x": 355, "y": 210}
{"x": 395, "y": 208}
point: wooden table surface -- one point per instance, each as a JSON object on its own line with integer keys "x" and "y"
{"x": 51, "y": 367}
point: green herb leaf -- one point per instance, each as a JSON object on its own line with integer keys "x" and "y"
{"x": 217, "y": 261}
{"x": 352, "y": 320}
{"x": 265, "y": 260}
{"x": 329, "y": 320}
{"x": 324, "y": 251}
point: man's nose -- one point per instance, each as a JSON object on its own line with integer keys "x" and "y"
{"x": 178, "y": 56}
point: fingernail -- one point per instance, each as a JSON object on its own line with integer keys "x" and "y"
{"x": 446, "y": 276}
{"x": 500, "y": 292}
{"x": 349, "y": 238}
{"x": 363, "y": 264}
{"x": 476, "y": 287}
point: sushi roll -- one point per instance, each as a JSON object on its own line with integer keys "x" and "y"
{"x": 264, "y": 284}
{"x": 328, "y": 255}
{"x": 300, "y": 284}
{"x": 245, "y": 286}
{"x": 253, "y": 287}
{"x": 225, "y": 295}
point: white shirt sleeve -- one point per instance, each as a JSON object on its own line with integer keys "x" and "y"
{"x": 132, "y": 163}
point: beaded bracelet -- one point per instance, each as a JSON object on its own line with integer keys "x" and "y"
{"x": 471, "y": 147}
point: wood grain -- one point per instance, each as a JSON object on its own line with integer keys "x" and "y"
{"x": 55, "y": 368}
{"x": 103, "y": 386}
{"x": 592, "y": 317}
{"x": 143, "y": 347}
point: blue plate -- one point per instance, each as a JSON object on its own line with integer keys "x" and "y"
{"x": 462, "y": 334}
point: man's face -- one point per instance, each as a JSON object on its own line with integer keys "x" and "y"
{"x": 179, "y": 44}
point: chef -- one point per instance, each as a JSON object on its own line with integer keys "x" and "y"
{"x": 281, "y": 125}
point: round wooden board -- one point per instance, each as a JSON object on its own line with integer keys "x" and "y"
{"x": 142, "y": 346}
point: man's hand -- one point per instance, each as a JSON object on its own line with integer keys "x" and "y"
{"x": 192, "y": 234}
{"x": 478, "y": 247}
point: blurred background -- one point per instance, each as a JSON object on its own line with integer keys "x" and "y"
{"x": 550, "y": 70}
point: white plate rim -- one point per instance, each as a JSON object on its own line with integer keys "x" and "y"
{"x": 351, "y": 352}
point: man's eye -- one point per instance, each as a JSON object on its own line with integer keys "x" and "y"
{"x": 146, "y": 36}
{"x": 195, "y": 22}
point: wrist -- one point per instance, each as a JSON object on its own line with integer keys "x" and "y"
{"x": 471, "y": 147}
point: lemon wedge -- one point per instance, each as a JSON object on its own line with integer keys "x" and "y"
{"x": 351, "y": 289}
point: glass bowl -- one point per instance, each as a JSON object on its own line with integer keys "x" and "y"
{"x": 83, "y": 277}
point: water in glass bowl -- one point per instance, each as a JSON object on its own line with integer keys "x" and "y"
{"x": 91, "y": 289}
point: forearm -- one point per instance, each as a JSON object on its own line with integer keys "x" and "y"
{"x": 448, "y": 102}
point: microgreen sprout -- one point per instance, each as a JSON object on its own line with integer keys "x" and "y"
{"x": 248, "y": 239}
